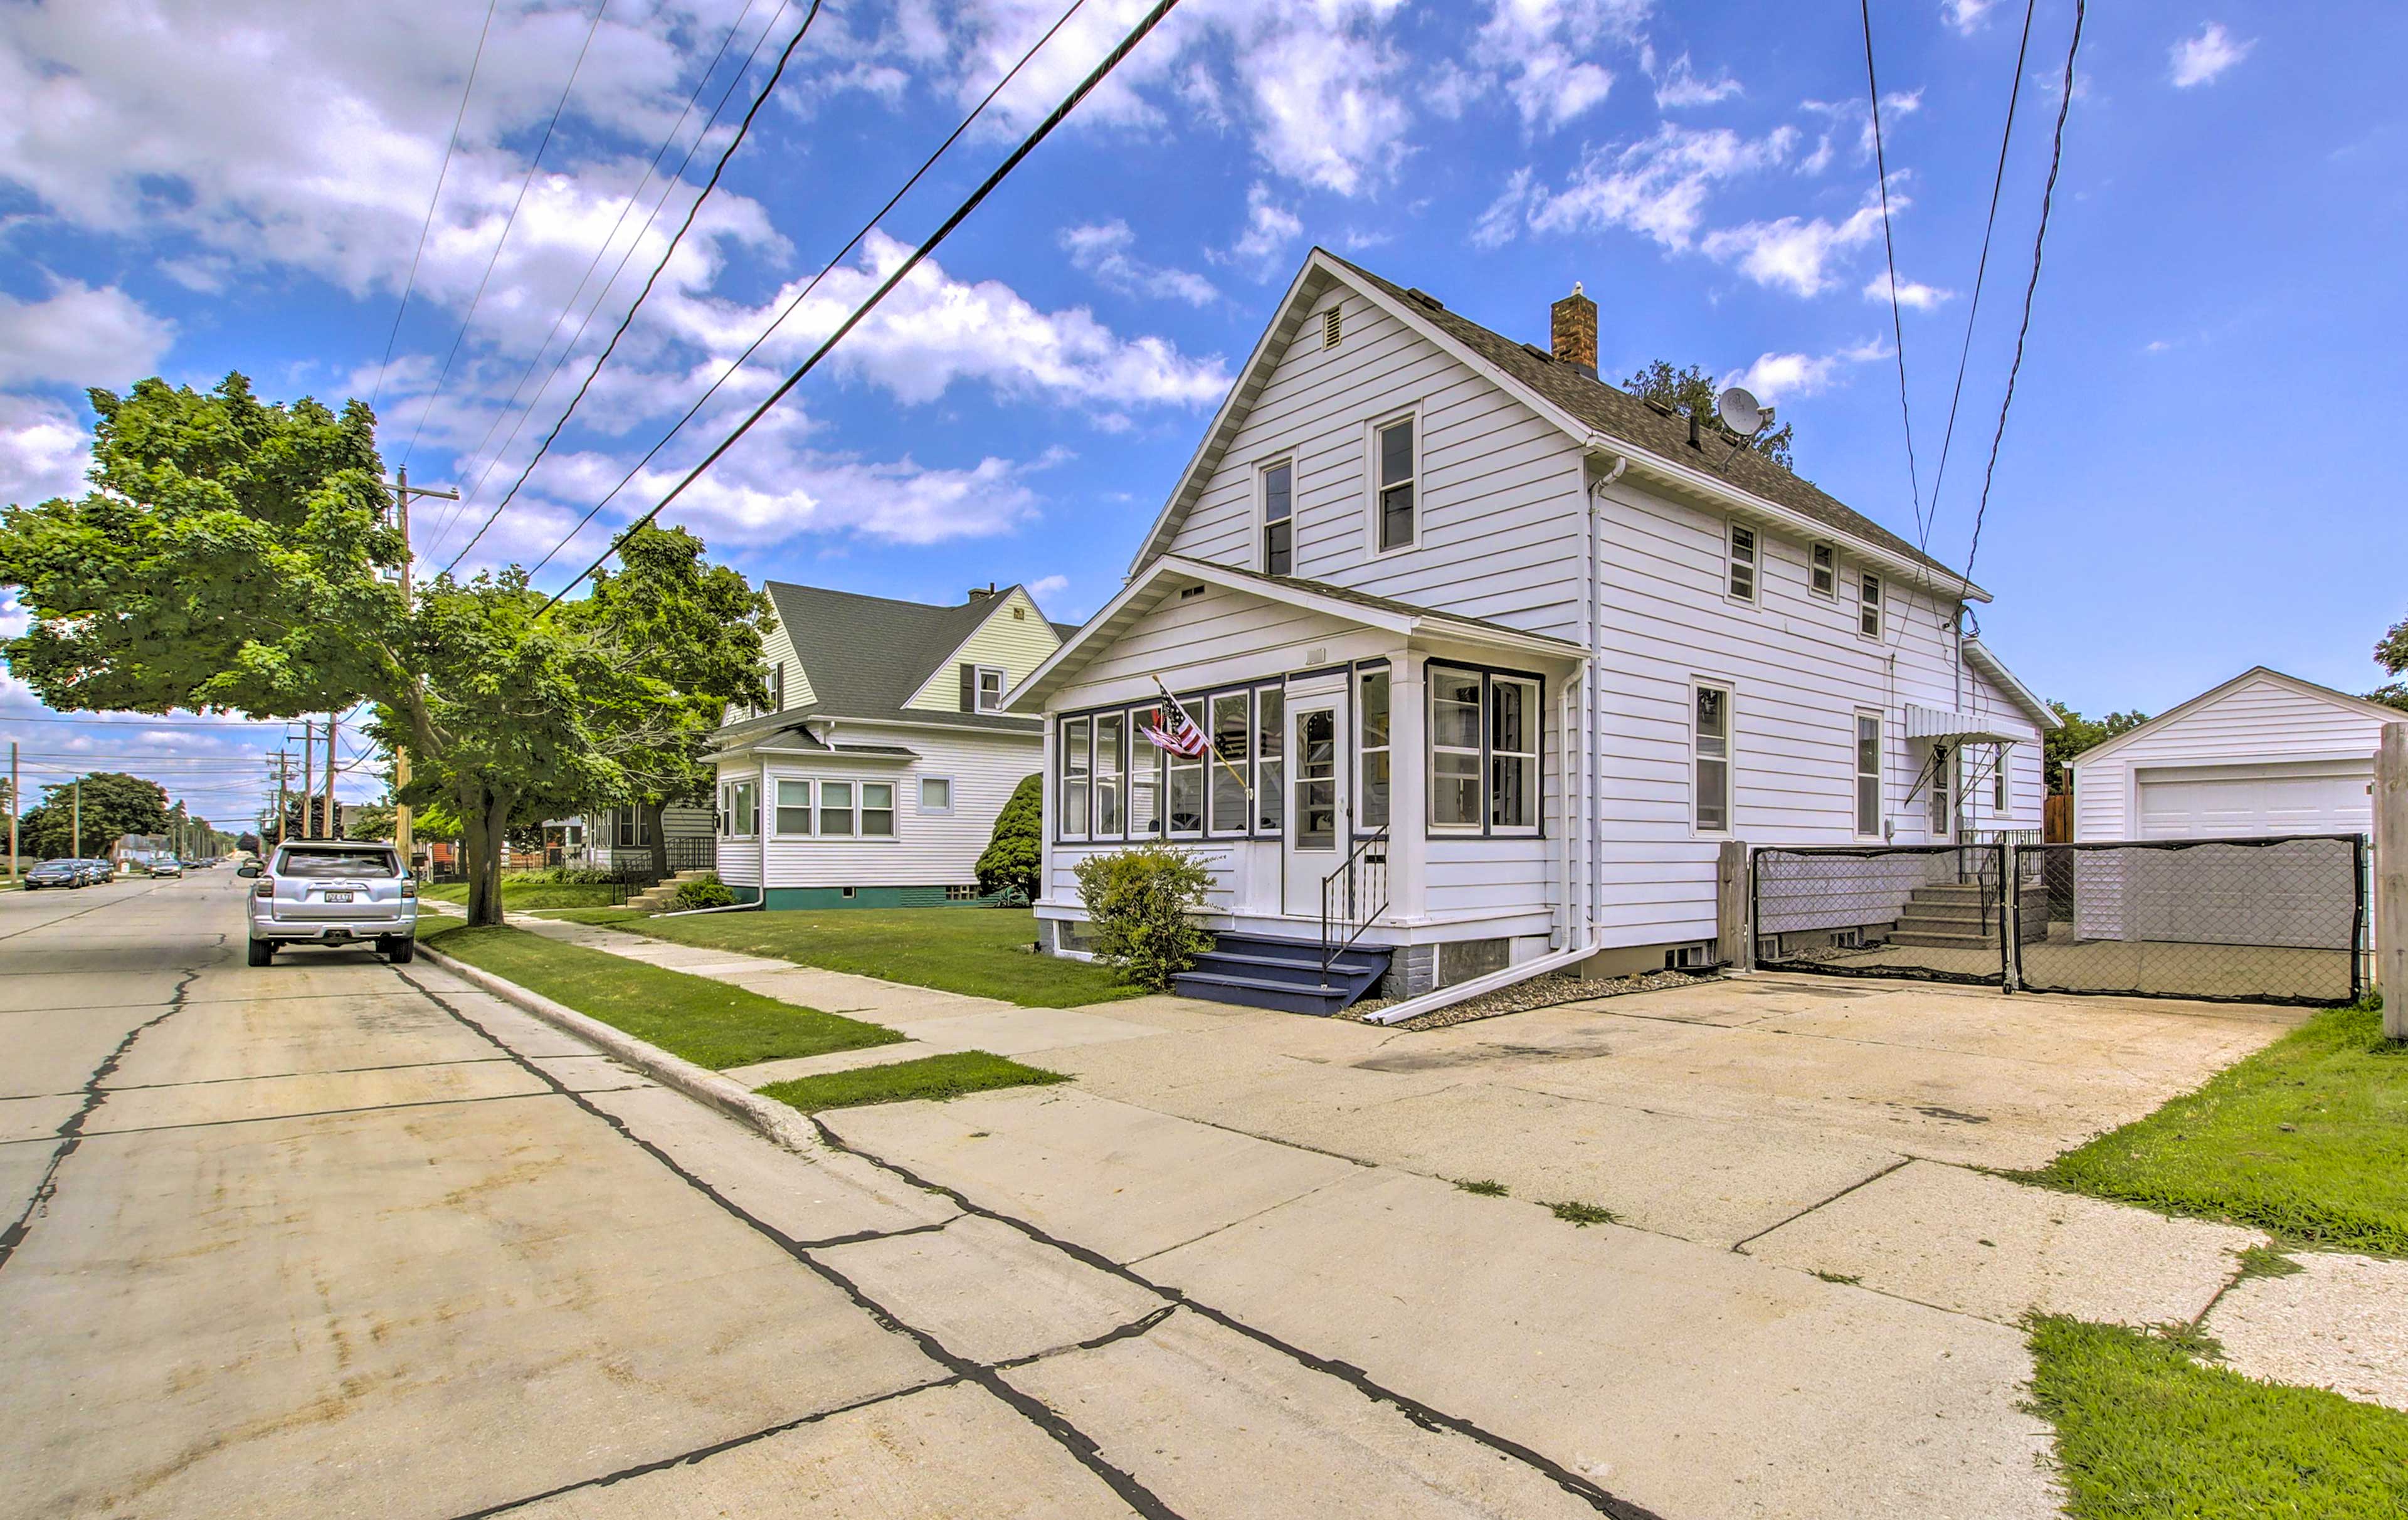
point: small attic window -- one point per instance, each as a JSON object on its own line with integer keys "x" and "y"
{"x": 1019, "y": 614}
{"x": 1331, "y": 327}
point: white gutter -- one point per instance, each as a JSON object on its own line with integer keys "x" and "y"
{"x": 1495, "y": 980}
{"x": 1591, "y": 886}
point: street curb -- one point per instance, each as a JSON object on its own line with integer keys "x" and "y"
{"x": 774, "y": 1121}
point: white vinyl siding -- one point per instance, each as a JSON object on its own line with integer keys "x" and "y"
{"x": 1014, "y": 639}
{"x": 893, "y": 843}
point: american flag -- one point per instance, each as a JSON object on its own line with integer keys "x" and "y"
{"x": 1179, "y": 735}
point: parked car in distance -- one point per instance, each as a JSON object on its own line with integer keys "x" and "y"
{"x": 167, "y": 867}
{"x": 55, "y": 873}
{"x": 331, "y": 892}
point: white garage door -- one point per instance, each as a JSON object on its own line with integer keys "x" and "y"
{"x": 2226, "y": 802}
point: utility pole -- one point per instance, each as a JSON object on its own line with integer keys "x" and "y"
{"x": 2391, "y": 878}
{"x": 16, "y": 802}
{"x": 283, "y": 777}
{"x": 333, "y": 830}
{"x": 308, "y": 771}
{"x": 77, "y": 850}
{"x": 402, "y": 492}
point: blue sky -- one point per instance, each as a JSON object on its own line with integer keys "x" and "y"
{"x": 2189, "y": 484}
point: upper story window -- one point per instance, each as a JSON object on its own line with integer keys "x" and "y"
{"x": 987, "y": 688}
{"x": 778, "y": 687}
{"x": 1823, "y": 571}
{"x": 1868, "y": 607}
{"x": 1710, "y": 738}
{"x": 1279, "y": 518}
{"x": 1742, "y": 582}
{"x": 1395, "y": 461}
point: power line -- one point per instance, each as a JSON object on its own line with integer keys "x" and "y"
{"x": 1981, "y": 266}
{"x": 376, "y": 392}
{"x": 961, "y": 214}
{"x": 742, "y": 129}
{"x": 1889, "y": 249}
{"x": 507, "y": 222}
{"x": 659, "y": 155}
{"x": 229, "y": 726}
{"x": 2040, "y": 240}
{"x": 813, "y": 283}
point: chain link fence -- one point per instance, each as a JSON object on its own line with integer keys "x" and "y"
{"x": 2257, "y": 920}
{"x": 1933, "y": 912}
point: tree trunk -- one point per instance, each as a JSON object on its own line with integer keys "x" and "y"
{"x": 484, "y": 817}
{"x": 651, "y": 825}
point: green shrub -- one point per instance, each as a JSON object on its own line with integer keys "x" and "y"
{"x": 1009, "y": 869}
{"x": 1143, "y": 903}
{"x": 702, "y": 892}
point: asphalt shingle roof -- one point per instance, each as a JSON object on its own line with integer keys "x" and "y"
{"x": 865, "y": 655}
{"x": 1615, "y": 411}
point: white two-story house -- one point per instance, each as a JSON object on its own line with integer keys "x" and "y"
{"x": 1497, "y": 657}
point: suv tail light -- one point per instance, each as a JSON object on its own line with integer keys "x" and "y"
{"x": 410, "y": 886}
{"x": 266, "y": 887}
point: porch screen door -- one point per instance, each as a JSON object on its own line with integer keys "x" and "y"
{"x": 1315, "y": 841}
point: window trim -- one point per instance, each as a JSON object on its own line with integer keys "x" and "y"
{"x": 1215, "y": 772}
{"x": 1488, "y": 827}
{"x": 1729, "y": 758}
{"x": 862, "y": 809}
{"x": 1877, "y": 604}
{"x": 1372, "y": 486}
{"x": 1085, "y": 722}
{"x": 977, "y": 687}
{"x": 1359, "y": 679}
{"x": 921, "y": 804}
{"x": 2001, "y": 795}
{"x": 1831, "y": 552}
{"x": 1200, "y": 706}
{"x": 1733, "y": 565}
{"x": 729, "y": 788}
{"x": 1263, "y": 523}
{"x": 1858, "y": 775}
{"x": 778, "y": 808}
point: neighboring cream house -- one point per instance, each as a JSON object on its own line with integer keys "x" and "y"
{"x": 1501, "y": 656}
{"x": 874, "y": 776}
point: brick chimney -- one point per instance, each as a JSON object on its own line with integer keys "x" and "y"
{"x": 1573, "y": 322}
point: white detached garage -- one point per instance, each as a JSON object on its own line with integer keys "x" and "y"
{"x": 2264, "y": 753}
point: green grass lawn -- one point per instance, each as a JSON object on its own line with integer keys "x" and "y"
{"x": 982, "y": 951}
{"x": 2307, "y": 1139}
{"x": 2144, "y": 1429}
{"x": 949, "y": 1075}
{"x": 521, "y": 897}
{"x": 589, "y": 915}
{"x": 708, "y": 1023}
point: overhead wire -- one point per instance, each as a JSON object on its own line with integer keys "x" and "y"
{"x": 494, "y": 258}
{"x": 729, "y": 372}
{"x": 1890, "y": 250}
{"x": 411, "y": 284}
{"x": 902, "y": 270}
{"x": 743, "y": 129}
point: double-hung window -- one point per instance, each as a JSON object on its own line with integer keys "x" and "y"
{"x": 1943, "y": 784}
{"x": 1145, "y": 776}
{"x": 1109, "y": 729}
{"x": 1371, "y": 745}
{"x": 989, "y": 696}
{"x": 1711, "y": 740}
{"x": 1868, "y": 605}
{"x": 1279, "y": 518}
{"x": 1485, "y": 736}
{"x": 1270, "y": 752}
{"x": 739, "y": 808}
{"x": 1230, "y": 722}
{"x": 1395, "y": 482}
{"x": 1823, "y": 571}
{"x": 1070, "y": 820}
{"x": 1999, "y": 781}
{"x": 1868, "y": 774}
{"x": 794, "y": 807}
{"x": 1186, "y": 785}
{"x": 1455, "y": 748}
{"x": 836, "y": 809}
{"x": 1742, "y": 581}
{"x": 878, "y": 810}
{"x": 1512, "y": 754}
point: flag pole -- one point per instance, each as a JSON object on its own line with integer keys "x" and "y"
{"x": 1235, "y": 774}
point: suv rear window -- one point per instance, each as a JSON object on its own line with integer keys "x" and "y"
{"x": 299, "y": 861}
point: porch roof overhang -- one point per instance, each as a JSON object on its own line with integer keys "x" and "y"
{"x": 1167, "y": 574}
{"x": 1939, "y": 723}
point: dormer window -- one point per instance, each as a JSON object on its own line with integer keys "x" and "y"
{"x": 990, "y": 689}
{"x": 1279, "y": 518}
{"x": 1395, "y": 463}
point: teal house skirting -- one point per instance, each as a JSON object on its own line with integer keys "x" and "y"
{"x": 788, "y": 899}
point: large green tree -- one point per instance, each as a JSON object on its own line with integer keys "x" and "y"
{"x": 2392, "y": 654}
{"x": 111, "y": 803}
{"x": 2060, "y": 746}
{"x": 1691, "y": 392}
{"x": 238, "y": 555}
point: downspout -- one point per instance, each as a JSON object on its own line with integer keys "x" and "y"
{"x": 1593, "y": 887}
{"x": 764, "y": 812}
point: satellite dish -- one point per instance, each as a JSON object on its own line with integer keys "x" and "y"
{"x": 1740, "y": 412}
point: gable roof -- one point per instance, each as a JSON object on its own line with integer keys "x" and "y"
{"x": 1978, "y": 655}
{"x": 2356, "y": 706}
{"x": 865, "y": 656}
{"x": 1600, "y": 415}
{"x": 1146, "y": 590}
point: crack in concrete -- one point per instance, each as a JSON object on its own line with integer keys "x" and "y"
{"x": 307, "y": 1114}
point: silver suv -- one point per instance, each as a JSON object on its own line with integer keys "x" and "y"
{"x": 331, "y": 892}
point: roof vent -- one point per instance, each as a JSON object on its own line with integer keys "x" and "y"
{"x": 1425, "y": 298}
{"x": 1330, "y": 326}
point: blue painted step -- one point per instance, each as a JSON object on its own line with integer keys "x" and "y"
{"x": 1262, "y": 971}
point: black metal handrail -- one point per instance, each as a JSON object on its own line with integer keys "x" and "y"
{"x": 1352, "y": 895}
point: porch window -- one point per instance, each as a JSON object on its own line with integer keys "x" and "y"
{"x": 878, "y": 810}
{"x": 1271, "y": 747}
{"x": 1145, "y": 776}
{"x": 835, "y": 808}
{"x": 1512, "y": 754}
{"x": 1823, "y": 571}
{"x": 1742, "y": 585}
{"x": 1109, "y": 729}
{"x": 1868, "y": 607}
{"x": 1394, "y": 508}
{"x": 1455, "y": 748}
{"x": 1710, "y": 738}
{"x": 794, "y": 807}
{"x": 1230, "y": 806}
{"x": 1373, "y": 745}
{"x": 1072, "y": 821}
{"x": 1186, "y": 790}
{"x": 1869, "y": 778}
{"x": 739, "y": 808}
{"x": 1279, "y": 518}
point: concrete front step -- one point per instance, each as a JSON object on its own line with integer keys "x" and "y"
{"x": 1263, "y": 991}
{"x": 1944, "y": 942}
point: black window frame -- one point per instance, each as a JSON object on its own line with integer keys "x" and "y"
{"x": 1489, "y": 675}
{"x": 1278, "y": 533}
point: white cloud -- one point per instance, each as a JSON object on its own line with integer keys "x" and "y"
{"x": 1657, "y": 185}
{"x": 1498, "y": 225}
{"x": 1270, "y": 229}
{"x": 1791, "y": 377}
{"x": 44, "y": 450}
{"x": 1678, "y": 87}
{"x": 1912, "y": 294}
{"x": 1533, "y": 50}
{"x": 2202, "y": 59}
{"x": 1966, "y": 16}
{"x": 79, "y": 336}
{"x": 1048, "y": 585}
{"x": 1102, "y": 249}
{"x": 1793, "y": 253}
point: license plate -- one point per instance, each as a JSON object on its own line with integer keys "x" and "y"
{"x": 338, "y": 897}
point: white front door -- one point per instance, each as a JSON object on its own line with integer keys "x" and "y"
{"x": 1314, "y": 841}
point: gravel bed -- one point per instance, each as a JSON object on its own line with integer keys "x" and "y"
{"x": 1538, "y": 991}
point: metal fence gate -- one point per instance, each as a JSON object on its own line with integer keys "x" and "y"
{"x": 2279, "y": 920}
